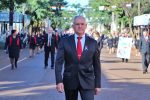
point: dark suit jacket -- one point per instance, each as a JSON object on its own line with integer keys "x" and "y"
{"x": 85, "y": 72}
{"x": 144, "y": 46}
{"x": 53, "y": 43}
{"x": 13, "y": 46}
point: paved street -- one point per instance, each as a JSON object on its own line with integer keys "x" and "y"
{"x": 120, "y": 81}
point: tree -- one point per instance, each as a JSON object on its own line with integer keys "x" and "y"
{"x": 124, "y": 15}
{"x": 10, "y": 4}
{"x": 137, "y": 7}
{"x": 67, "y": 16}
{"x": 40, "y": 10}
{"x": 96, "y": 16}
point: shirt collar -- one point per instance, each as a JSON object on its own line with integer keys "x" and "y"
{"x": 76, "y": 35}
{"x": 49, "y": 34}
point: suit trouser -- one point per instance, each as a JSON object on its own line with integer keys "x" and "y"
{"x": 145, "y": 60}
{"x": 86, "y": 94}
{"x": 47, "y": 51}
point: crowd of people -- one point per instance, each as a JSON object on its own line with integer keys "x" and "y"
{"x": 140, "y": 45}
{"x": 66, "y": 46}
{"x": 37, "y": 42}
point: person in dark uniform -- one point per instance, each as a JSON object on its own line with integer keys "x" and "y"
{"x": 13, "y": 43}
{"x": 100, "y": 42}
{"x": 115, "y": 42}
{"x": 42, "y": 39}
{"x": 144, "y": 48}
{"x": 110, "y": 44}
{"x": 32, "y": 44}
{"x": 57, "y": 38}
{"x": 39, "y": 42}
{"x": 49, "y": 47}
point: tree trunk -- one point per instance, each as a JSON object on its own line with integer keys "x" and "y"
{"x": 122, "y": 25}
{"x": 37, "y": 27}
{"x": 23, "y": 24}
{"x": 130, "y": 26}
{"x": 11, "y": 13}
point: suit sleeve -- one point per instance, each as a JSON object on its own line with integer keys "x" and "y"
{"x": 59, "y": 62}
{"x": 97, "y": 67}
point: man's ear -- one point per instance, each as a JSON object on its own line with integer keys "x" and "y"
{"x": 72, "y": 25}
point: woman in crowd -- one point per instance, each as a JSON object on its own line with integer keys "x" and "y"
{"x": 32, "y": 44}
{"x": 13, "y": 43}
{"x": 110, "y": 44}
{"x": 39, "y": 42}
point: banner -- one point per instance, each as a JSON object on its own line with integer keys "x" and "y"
{"x": 124, "y": 47}
{"x": 141, "y": 20}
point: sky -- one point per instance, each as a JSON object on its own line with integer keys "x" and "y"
{"x": 82, "y": 2}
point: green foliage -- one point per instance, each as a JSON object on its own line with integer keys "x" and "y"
{"x": 67, "y": 18}
{"x": 123, "y": 15}
{"x": 5, "y": 4}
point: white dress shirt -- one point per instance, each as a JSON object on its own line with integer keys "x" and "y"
{"x": 49, "y": 40}
{"x": 82, "y": 40}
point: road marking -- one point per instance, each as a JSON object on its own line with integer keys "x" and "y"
{"x": 10, "y": 64}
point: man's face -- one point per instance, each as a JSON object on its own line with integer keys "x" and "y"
{"x": 16, "y": 32}
{"x": 145, "y": 33}
{"x": 33, "y": 34}
{"x": 79, "y": 26}
{"x": 50, "y": 31}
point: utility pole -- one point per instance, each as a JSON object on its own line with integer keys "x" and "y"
{"x": 139, "y": 7}
{"x": 139, "y": 13}
{"x": 23, "y": 18}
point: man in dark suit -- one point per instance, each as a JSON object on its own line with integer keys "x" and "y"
{"x": 80, "y": 55}
{"x": 49, "y": 47}
{"x": 144, "y": 48}
{"x": 57, "y": 38}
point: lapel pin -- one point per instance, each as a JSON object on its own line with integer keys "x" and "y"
{"x": 85, "y": 48}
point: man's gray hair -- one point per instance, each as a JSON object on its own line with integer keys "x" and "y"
{"x": 78, "y": 16}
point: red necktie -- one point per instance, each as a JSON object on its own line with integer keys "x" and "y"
{"x": 79, "y": 48}
{"x": 56, "y": 37}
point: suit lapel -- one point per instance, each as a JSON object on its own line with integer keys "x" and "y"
{"x": 73, "y": 46}
{"x": 85, "y": 48}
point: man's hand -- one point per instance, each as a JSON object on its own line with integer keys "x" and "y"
{"x": 97, "y": 90}
{"x": 60, "y": 87}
